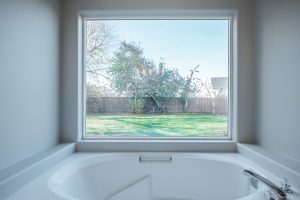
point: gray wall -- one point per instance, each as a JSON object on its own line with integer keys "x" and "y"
{"x": 278, "y": 76}
{"x": 29, "y": 78}
{"x": 71, "y": 98}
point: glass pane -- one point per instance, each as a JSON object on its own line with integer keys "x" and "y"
{"x": 156, "y": 78}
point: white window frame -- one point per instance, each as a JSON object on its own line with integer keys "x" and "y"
{"x": 230, "y": 15}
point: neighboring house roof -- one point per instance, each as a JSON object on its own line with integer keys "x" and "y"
{"x": 220, "y": 83}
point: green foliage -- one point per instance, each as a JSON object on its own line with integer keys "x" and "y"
{"x": 129, "y": 70}
{"x": 135, "y": 76}
{"x": 163, "y": 85}
{"x": 136, "y": 105}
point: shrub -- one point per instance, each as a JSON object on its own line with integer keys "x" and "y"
{"x": 137, "y": 105}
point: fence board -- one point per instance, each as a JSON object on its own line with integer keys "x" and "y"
{"x": 194, "y": 105}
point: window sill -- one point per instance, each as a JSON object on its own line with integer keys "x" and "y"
{"x": 156, "y": 145}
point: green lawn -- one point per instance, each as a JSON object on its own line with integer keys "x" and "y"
{"x": 181, "y": 125}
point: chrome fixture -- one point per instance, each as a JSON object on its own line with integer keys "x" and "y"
{"x": 280, "y": 192}
{"x": 155, "y": 158}
{"x": 286, "y": 186}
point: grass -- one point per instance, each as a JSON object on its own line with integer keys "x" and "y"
{"x": 181, "y": 125}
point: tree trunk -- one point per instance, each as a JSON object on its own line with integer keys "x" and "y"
{"x": 159, "y": 105}
{"x": 184, "y": 105}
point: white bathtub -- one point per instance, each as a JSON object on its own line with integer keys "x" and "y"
{"x": 121, "y": 176}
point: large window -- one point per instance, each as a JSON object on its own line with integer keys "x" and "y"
{"x": 166, "y": 78}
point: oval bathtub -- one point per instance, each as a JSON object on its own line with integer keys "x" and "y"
{"x": 123, "y": 176}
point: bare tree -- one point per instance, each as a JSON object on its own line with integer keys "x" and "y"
{"x": 189, "y": 88}
{"x": 211, "y": 92}
{"x": 100, "y": 39}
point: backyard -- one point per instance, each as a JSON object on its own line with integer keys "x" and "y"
{"x": 171, "y": 125}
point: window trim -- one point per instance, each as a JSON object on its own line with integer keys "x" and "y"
{"x": 230, "y": 15}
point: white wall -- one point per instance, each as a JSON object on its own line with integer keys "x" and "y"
{"x": 278, "y": 76}
{"x": 29, "y": 78}
{"x": 71, "y": 117}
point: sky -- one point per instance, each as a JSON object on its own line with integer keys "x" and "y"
{"x": 183, "y": 44}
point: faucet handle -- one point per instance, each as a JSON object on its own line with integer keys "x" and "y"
{"x": 286, "y": 187}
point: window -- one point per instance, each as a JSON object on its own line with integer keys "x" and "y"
{"x": 157, "y": 78}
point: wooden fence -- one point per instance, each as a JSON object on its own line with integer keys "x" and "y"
{"x": 97, "y": 105}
